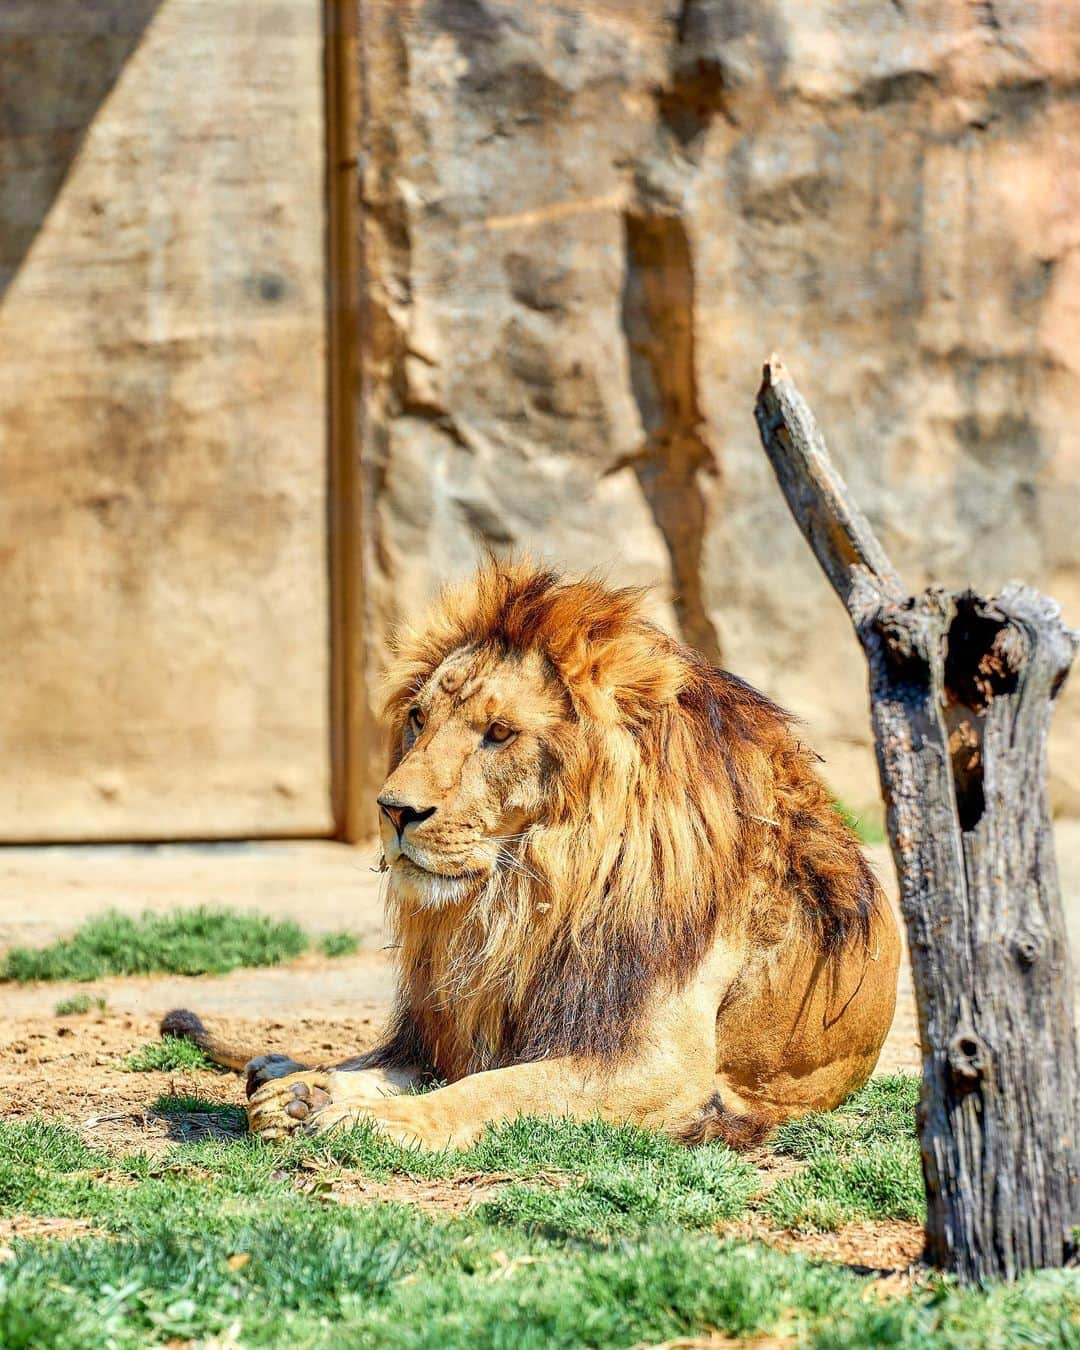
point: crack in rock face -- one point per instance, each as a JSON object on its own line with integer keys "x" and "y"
{"x": 658, "y": 319}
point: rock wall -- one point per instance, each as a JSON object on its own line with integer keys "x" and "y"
{"x": 585, "y": 225}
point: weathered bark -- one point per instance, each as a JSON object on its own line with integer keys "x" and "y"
{"x": 962, "y": 689}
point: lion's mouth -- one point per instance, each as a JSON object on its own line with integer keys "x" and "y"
{"x": 415, "y": 866}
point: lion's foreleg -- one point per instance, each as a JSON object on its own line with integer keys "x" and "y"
{"x": 641, "y": 1092}
{"x": 660, "y": 1085}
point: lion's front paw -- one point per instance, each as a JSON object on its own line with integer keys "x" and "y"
{"x": 338, "y": 1116}
{"x": 402, "y": 1120}
{"x": 285, "y": 1104}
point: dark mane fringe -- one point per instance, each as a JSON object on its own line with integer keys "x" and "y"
{"x": 718, "y": 1122}
{"x": 827, "y": 872}
{"x": 572, "y": 1008}
{"x": 682, "y": 805}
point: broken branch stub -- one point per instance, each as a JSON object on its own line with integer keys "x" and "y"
{"x": 962, "y": 688}
{"x": 837, "y": 531}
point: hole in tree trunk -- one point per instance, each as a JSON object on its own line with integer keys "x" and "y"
{"x": 965, "y": 747}
{"x": 982, "y": 657}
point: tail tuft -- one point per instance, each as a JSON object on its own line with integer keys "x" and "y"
{"x": 185, "y": 1026}
{"x": 716, "y": 1121}
{"x": 188, "y": 1026}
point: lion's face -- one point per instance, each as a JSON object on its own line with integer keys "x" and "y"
{"x": 475, "y": 755}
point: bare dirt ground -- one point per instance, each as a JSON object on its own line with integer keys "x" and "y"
{"x": 319, "y": 1010}
{"x": 71, "y": 1068}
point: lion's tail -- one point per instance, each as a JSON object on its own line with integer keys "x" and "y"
{"x": 716, "y": 1121}
{"x": 188, "y": 1026}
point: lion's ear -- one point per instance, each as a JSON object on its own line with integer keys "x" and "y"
{"x": 632, "y": 678}
{"x": 617, "y": 667}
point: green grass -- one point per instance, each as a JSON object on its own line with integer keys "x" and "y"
{"x": 171, "y": 1052}
{"x": 196, "y": 1118}
{"x": 308, "y": 1275}
{"x": 697, "y": 1192}
{"x": 1042, "y": 1310}
{"x": 181, "y": 1106}
{"x": 199, "y": 941}
{"x": 78, "y": 1004}
{"x": 218, "y": 1234}
{"x": 612, "y": 1179}
{"x": 220, "y": 1240}
{"x": 862, "y": 1161}
{"x": 338, "y": 944}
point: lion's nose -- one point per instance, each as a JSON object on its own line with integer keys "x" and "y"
{"x": 401, "y": 814}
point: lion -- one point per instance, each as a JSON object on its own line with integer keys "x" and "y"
{"x": 618, "y": 885}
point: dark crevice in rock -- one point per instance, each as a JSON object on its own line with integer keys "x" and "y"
{"x": 988, "y": 15}
{"x": 658, "y": 320}
{"x": 695, "y": 92}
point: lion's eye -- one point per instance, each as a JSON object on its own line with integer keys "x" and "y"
{"x": 499, "y": 733}
{"x": 417, "y": 719}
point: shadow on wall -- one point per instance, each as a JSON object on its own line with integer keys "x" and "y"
{"x": 59, "y": 59}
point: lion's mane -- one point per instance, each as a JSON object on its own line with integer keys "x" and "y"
{"x": 681, "y": 805}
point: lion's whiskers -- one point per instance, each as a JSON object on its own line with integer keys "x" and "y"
{"x": 512, "y": 861}
{"x": 513, "y": 864}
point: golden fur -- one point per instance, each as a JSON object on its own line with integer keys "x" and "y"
{"x": 617, "y": 882}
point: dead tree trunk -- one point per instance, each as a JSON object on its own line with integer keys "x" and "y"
{"x": 962, "y": 689}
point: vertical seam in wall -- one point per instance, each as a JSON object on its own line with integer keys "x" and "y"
{"x": 343, "y": 498}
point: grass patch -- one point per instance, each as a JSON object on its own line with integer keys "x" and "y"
{"x": 215, "y": 1241}
{"x": 339, "y": 944}
{"x": 626, "y": 1180}
{"x": 886, "y": 1183}
{"x": 1040, "y": 1310}
{"x": 193, "y": 1115}
{"x": 615, "y": 1202}
{"x": 169, "y": 1053}
{"x": 217, "y": 1234}
{"x": 862, "y": 1161}
{"x": 201, "y": 941}
{"x": 79, "y": 1004}
{"x": 383, "y": 1276}
{"x": 180, "y": 1106}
